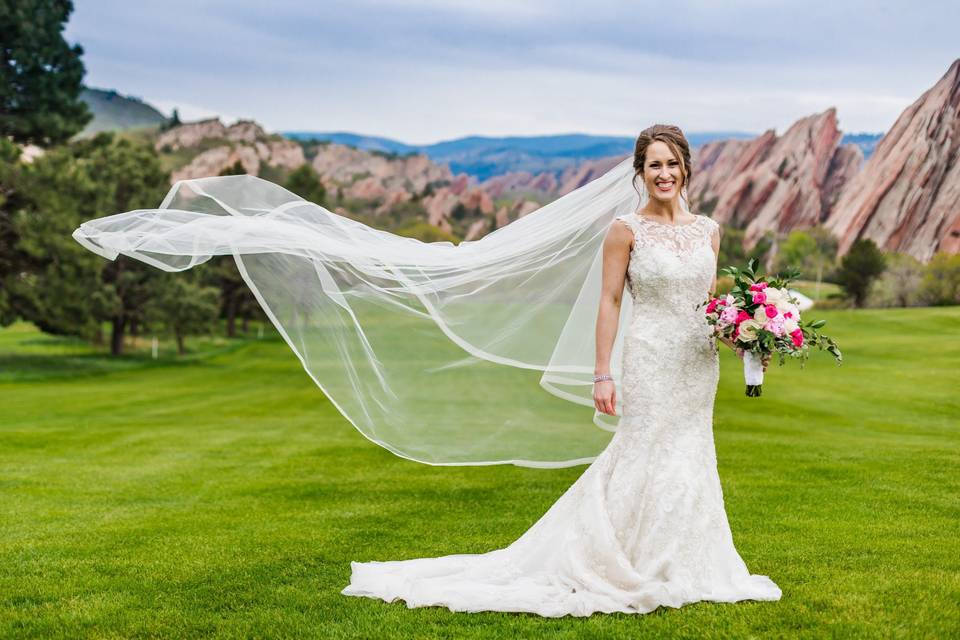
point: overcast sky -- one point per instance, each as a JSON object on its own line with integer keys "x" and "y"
{"x": 427, "y": 70}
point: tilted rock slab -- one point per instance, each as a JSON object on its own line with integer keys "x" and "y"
{"x": 907, "y": 197}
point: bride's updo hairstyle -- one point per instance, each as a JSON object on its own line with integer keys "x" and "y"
{"x": 671, "y": 136}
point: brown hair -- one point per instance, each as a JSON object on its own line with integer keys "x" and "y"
{"x": 671, "y": 136}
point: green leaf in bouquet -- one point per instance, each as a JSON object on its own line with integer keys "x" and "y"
{"x": 791, "y": 273}
{"x": 836, "y": 352}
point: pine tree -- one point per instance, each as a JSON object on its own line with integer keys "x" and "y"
{"x": 10, "y": 258}
{"x": 64, "y": 288}
{"x": 859, "y": 267}
{"x": 182, "y": 305}
{"x": 305, "y": 182}
{"x": 41, "y": 76}
{"x": 236, "y": 169}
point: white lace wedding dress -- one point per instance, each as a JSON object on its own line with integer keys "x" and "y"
{"x": 644, "y": 526}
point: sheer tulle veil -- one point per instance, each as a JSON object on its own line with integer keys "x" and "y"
{"x": 468, "y": 354}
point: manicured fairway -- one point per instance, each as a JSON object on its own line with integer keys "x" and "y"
{"x": 223, "y": 495}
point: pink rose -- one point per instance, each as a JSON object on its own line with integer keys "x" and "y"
{"x": 759, "y": 297}
{"x": 770, "y": 310}
{"x": 711, "y": 307}
{"x": 797, "y": 336}
{"x": 758, "y": 286}
{"x": 743, "y": 315}
{"x": 788, "y": 314}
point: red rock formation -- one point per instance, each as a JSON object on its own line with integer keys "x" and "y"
{"x": 506, "y": 215}
{"x": 546, "y": 185}
{"x": 460, "y": 184}
{"x": 245, "y": 141}
{"x": 479, "y": 200}
{"x": 774, "y": 183}
{"x": 478, "y": 229}
{"x": 907, "y": 197}
{"x": 345, "y": 165}
{"x": 392, "y": 199}
{"x": 279, "y": 153}
{"x": 213, "y": 161}
{"x": 521, "y": 182}
{"x": 439, "y": 205}
{"x": 190, "y": 134}
{"x": 576, "y": 177}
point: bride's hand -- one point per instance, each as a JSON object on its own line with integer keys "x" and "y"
{"x": 605, "y": 397}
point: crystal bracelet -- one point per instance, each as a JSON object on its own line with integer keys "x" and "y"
{"x": 603, "y": 376}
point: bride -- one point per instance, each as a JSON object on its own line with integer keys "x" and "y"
{"x": 386, "y": 324}
{"x": 644, "y": 526}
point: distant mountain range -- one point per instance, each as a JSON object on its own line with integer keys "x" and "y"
{"x": 481, "y": 157}
{"x": 484, "y": 157}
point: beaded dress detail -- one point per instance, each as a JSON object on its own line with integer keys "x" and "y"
{"x": 644, "y": 526}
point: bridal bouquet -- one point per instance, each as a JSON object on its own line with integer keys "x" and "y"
{"x": 762, "y": 318}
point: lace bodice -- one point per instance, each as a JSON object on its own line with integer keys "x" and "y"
{"x": 671, "y": 266}
{"x": 668, "y": 349}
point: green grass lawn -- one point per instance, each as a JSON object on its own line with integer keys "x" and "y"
{"x": 222, "y": 494}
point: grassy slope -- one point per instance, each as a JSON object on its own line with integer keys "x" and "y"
{"x": 226, "y": 496}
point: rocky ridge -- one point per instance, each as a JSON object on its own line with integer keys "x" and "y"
{"x": 907, "y": 197}
{"x": 774, "y": 183}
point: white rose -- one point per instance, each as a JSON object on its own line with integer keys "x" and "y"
{"x": 783, "y": 306}
{"x": 760, "y": 315}
{"x": 789, "y": 324}
{"x": 748, "y": 330}
{"x": 775, "y": 296}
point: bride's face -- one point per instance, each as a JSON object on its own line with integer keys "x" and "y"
{"x": 661, "y": 172}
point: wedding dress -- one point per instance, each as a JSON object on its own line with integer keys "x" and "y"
{"x": 644, "y": 526}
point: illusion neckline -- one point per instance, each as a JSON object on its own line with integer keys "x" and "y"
{"x": 667, "y": 224}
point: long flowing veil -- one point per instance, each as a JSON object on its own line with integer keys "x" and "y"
{"x": 476, "y": 353}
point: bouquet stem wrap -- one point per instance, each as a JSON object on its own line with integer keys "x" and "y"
{"x": 752, "y": 372}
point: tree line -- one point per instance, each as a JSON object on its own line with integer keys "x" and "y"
{"x": 46, "y": 277}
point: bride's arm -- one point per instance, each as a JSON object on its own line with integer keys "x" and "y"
{"x": 715, "y": 243}
{"x": 616, "y": 255}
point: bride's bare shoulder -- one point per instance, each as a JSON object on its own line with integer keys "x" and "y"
{"x": 620, "y": 234}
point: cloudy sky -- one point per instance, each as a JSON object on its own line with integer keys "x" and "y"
{"x": 428, "y": 70}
